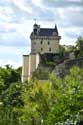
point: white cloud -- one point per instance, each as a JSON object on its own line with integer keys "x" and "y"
{"x": 17, "y": 19}
{"x": 37, "y": 2}
{"x": 12, "y": 55}
{"x": 75, "y": 0}
{"x": 15, "y": 64}
{"x": 21, "y": 4}
{"x": 61, "y": 13}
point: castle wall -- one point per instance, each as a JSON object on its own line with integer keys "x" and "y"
{"x": 43, "y": 41}
{"x": 34, "y": 61}
{"x": 25, "y": 67}
{"x": 30, "y": 63}
{"x": 45, "y": 45}
{"x": 37, "y": 60}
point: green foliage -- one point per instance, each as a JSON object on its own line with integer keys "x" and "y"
{"x": 55, "y": 101}
{"x": 10, "y": 95}
{"x": 79, "y": 47}
{"x": 62, "y": 50}
{"x": 41, "y": 74}
{"x": 70, "y": 106}
{"x": 8, "y": 74}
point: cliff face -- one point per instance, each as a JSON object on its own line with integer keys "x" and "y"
{"x": 63, "y": 69}
{"x": 53, "y": 64}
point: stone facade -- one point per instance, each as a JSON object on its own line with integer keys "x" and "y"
{"x": 25, "y": 67}
{"x": 30, "y": 64}
{"x": 45, "y": 45}
{"x": 43, "y": 40}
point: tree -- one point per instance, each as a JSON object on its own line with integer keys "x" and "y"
{"x": 10, "y": 95}
{"x": 10, "y": 75}
{"x": 61, "y": 51}
{"x": 52, "y": 102}
{"x": 79, "y": 47}
{"x": 68, "y": 110}
{"x": 36, "y": 102}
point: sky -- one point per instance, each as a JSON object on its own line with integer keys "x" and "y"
{"x": 18, "y": 16}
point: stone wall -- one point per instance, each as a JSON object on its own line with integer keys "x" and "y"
{"x": 30, "y": 64}
{"x": 25, "y": 67}
{"x": 45, "y": 45}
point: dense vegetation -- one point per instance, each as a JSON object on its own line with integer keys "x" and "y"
{"x": 53, "y": 102}
{"x": 77, "y": 49}
{"x": 57, "y": 101}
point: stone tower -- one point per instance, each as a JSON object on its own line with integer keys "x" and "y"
{"x": 43, "y": 40}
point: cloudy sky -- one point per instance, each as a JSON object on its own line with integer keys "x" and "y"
{"x": 17, "y": 19}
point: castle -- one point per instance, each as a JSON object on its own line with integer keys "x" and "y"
{"x": 43, "y": 41}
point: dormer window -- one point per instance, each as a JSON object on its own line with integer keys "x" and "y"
{"x": 55, "y": 34}
{"x": 35, "y": 31}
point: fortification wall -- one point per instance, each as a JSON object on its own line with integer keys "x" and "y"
{"x": 30, "y": 64}
{"x": 25, "y": 67}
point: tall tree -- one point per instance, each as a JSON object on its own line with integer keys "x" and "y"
{"x": 79, "y": 47}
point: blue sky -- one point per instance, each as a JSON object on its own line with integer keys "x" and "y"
{"x": 17, "y": 19}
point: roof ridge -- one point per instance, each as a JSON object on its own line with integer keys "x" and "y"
{"x": 47, "y": 28}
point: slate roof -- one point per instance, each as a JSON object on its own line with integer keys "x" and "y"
{"x": 45, "y": 31}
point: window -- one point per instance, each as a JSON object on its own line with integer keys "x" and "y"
{"x": 41, "y": 42}
{"x": 49, "y": 49}
{"x": 48, "y": 42}
{"x": 35, "y": 31}
{"x": 41, "y": 49}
